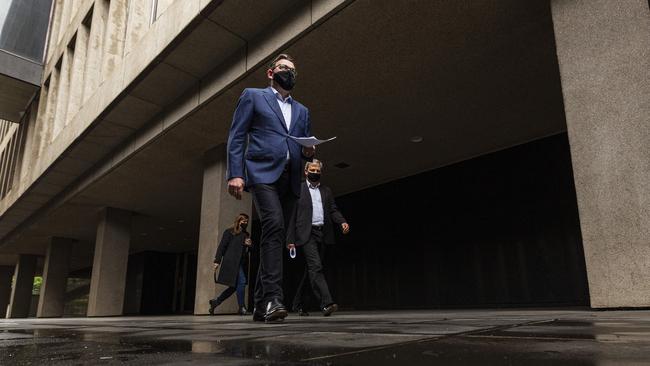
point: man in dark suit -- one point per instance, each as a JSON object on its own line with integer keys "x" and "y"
{"x": 263, "y": 159}
{"x": 311, "y": 228}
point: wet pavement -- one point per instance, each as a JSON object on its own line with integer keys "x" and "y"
{"x": 468, "y": 337}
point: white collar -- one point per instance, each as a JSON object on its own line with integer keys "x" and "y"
{"x": 288, "y": 99}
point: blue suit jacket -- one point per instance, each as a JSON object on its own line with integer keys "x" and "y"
{"x": 258, "y": 142}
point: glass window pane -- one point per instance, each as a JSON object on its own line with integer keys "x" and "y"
{"x": 23, "y": 27}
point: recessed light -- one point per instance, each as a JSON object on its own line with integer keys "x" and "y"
{"x": 180, "y": 221}
{"x": 161, "y": 228}
{"x": 416, "y": 139}
{"x": 342, "y": 165}
{"x": 143, "y": 234}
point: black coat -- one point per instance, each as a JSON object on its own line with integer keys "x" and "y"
{"x": 231, "y": 254}
{"x": 300, "y": 223}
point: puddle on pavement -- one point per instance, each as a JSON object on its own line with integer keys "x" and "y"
{"x": 464, "y": 351}
{"x": 554, "y": 342}
{"x": 606, "y": 331}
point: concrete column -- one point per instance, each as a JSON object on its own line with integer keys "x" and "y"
{"x": 114, "y": 37}
{"x": 6, "y": 274}
{"x": 48, "y": 119}
{"x": 603, "y": 50}
{"x": 110, "y": 263}
{"x": 94, "y": 52}
{"x": 21, "y": 293}
{"x": 77, "y": 72}
{"x": 218, "y": 211}
{"x": 139, "y": 15}
{"x": 55, "y": 28}
{"x": 62, "y": 92}
{"x": 66, "y": 15}
{"x": 55, "y": 278}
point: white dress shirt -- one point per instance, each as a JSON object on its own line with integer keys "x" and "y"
{"x": 285, "y": 107}
{"x": 317, "y": 214}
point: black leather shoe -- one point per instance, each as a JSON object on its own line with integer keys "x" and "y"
{"x": 213, "y": 304}
{"x": 243, "y": 311}
{"x": 329, "y": 309}
{"x": 258, "y": 316}
{"x": 302, "y": 312}
{"x": 275, "y": 311}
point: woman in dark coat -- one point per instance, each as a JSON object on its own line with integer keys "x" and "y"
{"x": 232, "y": 257}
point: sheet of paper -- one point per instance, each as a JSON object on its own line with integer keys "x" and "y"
{"x": 310, "y": 141}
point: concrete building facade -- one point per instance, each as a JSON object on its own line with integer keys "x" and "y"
{"x": 488, "y": 153}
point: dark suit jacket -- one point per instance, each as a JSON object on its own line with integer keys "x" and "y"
{"x": 258, "y": 140}
{"x": 231, "y": 254}
{"x": 300, "y": 223}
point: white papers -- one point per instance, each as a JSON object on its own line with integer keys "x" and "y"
{"x": 309, "y": 141}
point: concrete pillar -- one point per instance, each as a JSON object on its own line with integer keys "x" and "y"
{"x": 66, "y": 15}
{"x": 108, "y": 279}
{"x": 55, "y": 26}
{"x": 21, "y": 293}
{"x": 6, "y": 274}
{"x": 55, "y": 278}
{"x": 63, "y": 92}
{"x": 94, "y": 51}
{"x": 603, "y": 50}
{"x": 218, "y": 211}
{"x": 114, "y": 37}
{"x": 48, "y": 119}
{"x": 139, "y": 17}
{"x": 77, "y": 72}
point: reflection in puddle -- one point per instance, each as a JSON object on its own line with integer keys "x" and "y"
{"x": 207, "y": 347}
{"x": 553, "y": 342}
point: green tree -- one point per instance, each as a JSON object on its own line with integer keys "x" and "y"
{"x": 36, "y": 288}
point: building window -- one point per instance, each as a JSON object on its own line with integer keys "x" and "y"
{"x": 23, "y": 27}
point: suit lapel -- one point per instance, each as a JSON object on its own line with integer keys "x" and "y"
{"x": 295, "y": 113}
{"x": 307, "y": 196}
{"x": 273, "y": 103}
{"x": 324, "y": 202}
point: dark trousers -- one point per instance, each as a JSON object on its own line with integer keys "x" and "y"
{"x": 240, "y": 289}
{"x": 313, "y": 251}
{"x": 274, "y": 203}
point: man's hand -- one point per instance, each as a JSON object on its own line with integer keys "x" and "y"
{"x": 236, "y": 187}
{"x": 248, "y": 242}
{"x": 291, "y": 246}
{"x": 216, "y": 265}
{"x": 309, "y": 151}
{"x": 345, "y": 227}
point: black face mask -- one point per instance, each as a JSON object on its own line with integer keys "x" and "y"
{"x": 314, "y": 177}
{"x": 286, "y": 79}
{"x": 243, "y": 226}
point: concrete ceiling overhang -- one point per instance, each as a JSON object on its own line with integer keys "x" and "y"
{"x": 468, "y": 77}
{"x": 19, "y": 82}
{"x": 15, "y": 96}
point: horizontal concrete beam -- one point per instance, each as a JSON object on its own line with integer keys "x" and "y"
{"x": 20, "y": 68}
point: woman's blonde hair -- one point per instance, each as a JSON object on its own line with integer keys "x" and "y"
{"x": 236, "y": 227}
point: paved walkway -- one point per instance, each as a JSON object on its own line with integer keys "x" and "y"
{"x": 405, "y": 338}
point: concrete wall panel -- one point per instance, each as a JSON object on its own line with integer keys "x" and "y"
{"x": 603, "y": 50}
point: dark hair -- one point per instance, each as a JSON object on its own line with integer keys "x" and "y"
{"x": 236, "y": 227}
{"x": 282, "y": 56}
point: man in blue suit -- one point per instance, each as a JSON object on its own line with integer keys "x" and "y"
{"x": 263, "y": 159}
